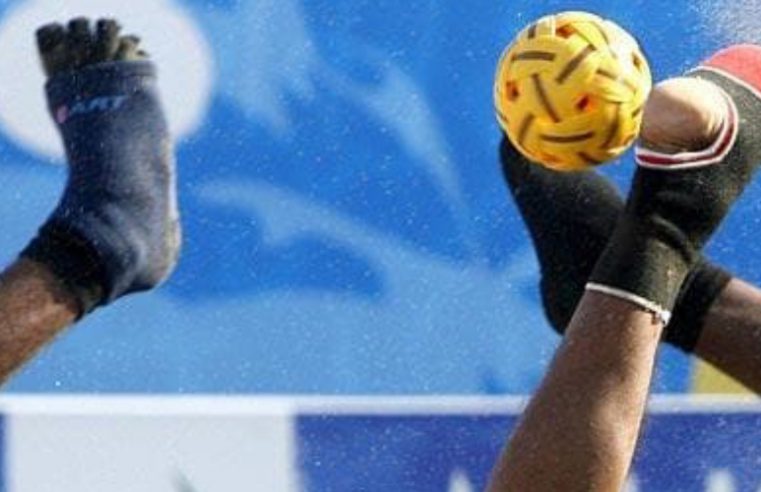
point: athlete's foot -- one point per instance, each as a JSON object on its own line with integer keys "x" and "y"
{"x": 570, "y": 217}
{"x": 79, "y": 45}
{"x": 683, "y": 114}
{"x": 116, "y": 228}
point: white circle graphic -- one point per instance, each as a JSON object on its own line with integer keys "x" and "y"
{"x": 169, "y": 34}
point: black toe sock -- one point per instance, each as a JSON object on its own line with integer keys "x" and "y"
{"x": 570, "y": 217}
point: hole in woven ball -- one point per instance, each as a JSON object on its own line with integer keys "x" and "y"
{"x": 637, "y": 61}
{"x": 565, "y": 32}
{"x": 513, "y": 93}
{"x": 584, "y": 104}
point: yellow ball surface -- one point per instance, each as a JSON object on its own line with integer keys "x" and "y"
{"x": 570, "y": 91}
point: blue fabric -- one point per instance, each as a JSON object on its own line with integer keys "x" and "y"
{"x": 118, "y": 196}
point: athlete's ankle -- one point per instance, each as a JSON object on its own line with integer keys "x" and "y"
{"x": 683, "y": 115}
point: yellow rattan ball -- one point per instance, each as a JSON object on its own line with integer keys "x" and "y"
{"x": 570, "y": 91}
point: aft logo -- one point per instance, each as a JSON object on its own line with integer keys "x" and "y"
{"x": 103, "y": 104}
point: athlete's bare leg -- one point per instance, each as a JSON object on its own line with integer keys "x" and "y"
{"x": 580, "y": 430}
{"x": 34, "y": 307}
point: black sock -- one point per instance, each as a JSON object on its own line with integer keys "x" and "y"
{"x": 570, "y": 217}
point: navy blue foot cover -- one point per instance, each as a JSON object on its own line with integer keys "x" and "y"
{"x": 116, "y": 229}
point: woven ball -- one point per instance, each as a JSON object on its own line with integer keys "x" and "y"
{"x": 570, "y": 91}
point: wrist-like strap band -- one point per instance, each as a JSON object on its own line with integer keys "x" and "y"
{"x": 663, "y": 315}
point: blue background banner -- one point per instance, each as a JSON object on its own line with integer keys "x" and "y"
{"x": 347, "y": 227}
{"x": 680, "y": 452}
{"x": 378, "y": 454}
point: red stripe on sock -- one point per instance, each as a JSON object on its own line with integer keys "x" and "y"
{"x": 711, "y": 155}
{"x": 742, "y": 60}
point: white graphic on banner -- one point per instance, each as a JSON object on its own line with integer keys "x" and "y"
{"x": 410, "y": 275}
{"x": 459, "y": 482}
{"x": 168, "y": 33}
{"x": 720, "y": 481}
{"x": 632, "y": 485}
{"x": 259, "y": 68}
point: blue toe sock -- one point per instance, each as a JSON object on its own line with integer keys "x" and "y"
{"x": 116, "y": 229}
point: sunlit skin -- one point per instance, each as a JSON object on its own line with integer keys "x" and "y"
{"x": 682, "y": 114}
{"x": 34, "y": 308}
{"x": 580, "y": 430}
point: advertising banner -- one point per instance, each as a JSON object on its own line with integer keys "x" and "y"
{"x": 338, "y": 445}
